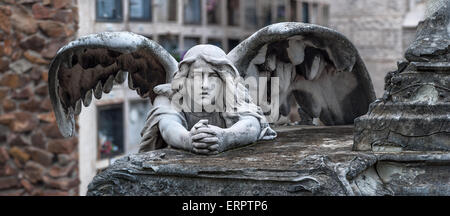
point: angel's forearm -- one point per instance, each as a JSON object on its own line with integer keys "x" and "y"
{"x": 242, "y": 133}
{"x": 174, "y": 134}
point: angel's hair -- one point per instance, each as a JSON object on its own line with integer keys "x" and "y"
{"x": 236, "y": 100}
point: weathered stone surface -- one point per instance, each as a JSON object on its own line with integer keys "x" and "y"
{"x": 7, "y": 170}
{"x": 60, "y": 3}
{"x": 37, "y": 140}
{"x": 23, "y": 21}
{"x": 47, "y": 117}
{"x": 8, "y": 105}
{"x": 42, "y": 90}
{"x": 35, "y": 58}
{"x": 51, "y": 192}
{"x": 7, "y": 46}
{"x": 8, "y": 182}
{"x": 52, "y": 28}
{"x": 63, "y": 159}
{"x": 34, "y": 42}
{"x": 23, "y": 122}
{"x": 42, "y": 12}
{"x": 433, "y": 38}
{"x": 21, "y": 66}
{"x": 11, "y": 80}
{"x": 4, "y": 64}
{"x": 22, "y": 94}
{"x": 3, "y": 155}
{"x": 27, "y": 185}
{"x": 46, "y": 105}
{"x": 64, "y": 16}
{"x": 17, "y": 140}
{"x": 7, "y": 118}
{"x": 59, "y": 171}
{"x": 60, "y": 183}
{"x": 50, "y": 50}
{"x": 43, "y": 157}
{"x": 14, "y": 192}
{"x": 301, "y": 161}
{"x": 28, "y": 1}
{"x": 19, "y": 154}
{"x": 414, "y": 113}
{"x": 31, "y": 105}
{"x": 52, "y": 131}
{"x": 3, "y": 92}
{"x": 60, "y": 146}
{"x": 34, "y": 171}
{"x": 5, "y": 21}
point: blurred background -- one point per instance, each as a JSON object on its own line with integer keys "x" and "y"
{"x": 36, "y": 160}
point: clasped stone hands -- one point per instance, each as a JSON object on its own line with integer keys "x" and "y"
{"x": 206, "y": 139}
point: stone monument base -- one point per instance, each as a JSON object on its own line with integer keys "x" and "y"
{"x": 303, "y": 160}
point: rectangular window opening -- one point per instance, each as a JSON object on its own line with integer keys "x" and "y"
{"x": 305, "y": 12}
{"x": 233, "y": 12}
{"x": 140, "y": 10}
{"x": 214, "y": 12}
{"x": 109, "y": 10}
{"x": 192, "y": 12}
{"x": 110, "y": 131}
{"x": 166, "y": 10}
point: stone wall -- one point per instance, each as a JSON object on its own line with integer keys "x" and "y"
{"x": 34, "y": 157}
{"x": 375, "y": 27}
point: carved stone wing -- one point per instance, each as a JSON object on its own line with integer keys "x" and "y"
{"x": 92, "y": 64}
{"x": 318, "y": 66}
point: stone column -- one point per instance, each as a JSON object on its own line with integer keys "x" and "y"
{"x": 414, "y": 113}
{"x": 34, "y": 157}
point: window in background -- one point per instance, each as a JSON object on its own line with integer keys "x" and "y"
{"x": 137, "y": 115}
{"x": 281, "y": 11}
{"x": 233, "y": 12}
{"x": 213, "y": 10}
{"x": 251, "y": 19}
{"x": 189, "y": 42}
{"x": 170, "y": 43}
{"x": 215, "y": 42}
{"x": 166, "y": 10}
{"x": 141, "y": 10}
{"x": 232, "y": 43}
{"x": 325, "y": 15}
{"x": 305, "y": 12}
{"x": 109, "y": 10}
{"x": 315, "y": 13}
{"x": 110, "y": 130}
{"x": 293, "y": 6}
{"x": 192, "y": 12}
{"x": 266, "y": 16}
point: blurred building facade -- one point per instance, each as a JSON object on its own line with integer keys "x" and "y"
{"x": 110, "y": 128}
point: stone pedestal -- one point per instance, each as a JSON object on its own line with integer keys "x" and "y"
{"x": 301, "y": 161}
{"x": 414, "y": 113}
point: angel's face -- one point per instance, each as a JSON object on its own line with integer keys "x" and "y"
{"x": 204, "y": 85}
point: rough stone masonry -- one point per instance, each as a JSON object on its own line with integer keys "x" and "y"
{"x": 414, "y": 113}
{"x": 34, "y": 157}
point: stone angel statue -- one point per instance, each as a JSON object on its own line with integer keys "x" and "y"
{"x": 202, "y": 103}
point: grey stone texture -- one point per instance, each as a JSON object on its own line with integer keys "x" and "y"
{"x": 303, "y": 160}
{"x": 414, "y": 111}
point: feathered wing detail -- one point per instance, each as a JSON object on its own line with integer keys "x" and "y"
{"x": 92, "y": 64}
{"x": 316, "y": 65}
